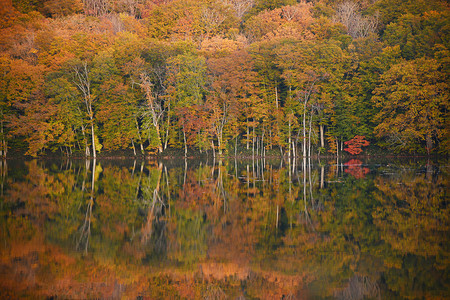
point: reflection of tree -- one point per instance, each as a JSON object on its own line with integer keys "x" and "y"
{"x": 359, "y": 287}
{"x": 414, "y": 216}
{"x": 413, "y": 220}
{"x": 261, "y": 231}
{"x": 85, "y": 230}
{"x": 355, "y": 169}
{"x": 3, "y": 173}
{"x": 155, "y": 211}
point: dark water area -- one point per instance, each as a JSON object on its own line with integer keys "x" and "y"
{"x": 366, "y": 228}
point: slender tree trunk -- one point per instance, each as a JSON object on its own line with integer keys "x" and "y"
{"x": 134, "y": 148}
{"x": 94, "y": 153}
{"x": 253, "y": 142}
{"x": 83, "y": 83}
{"x": 154, "y": 109}
{"x": 309, "y": 135}
{"x": 305, "y": 106}
{"x": 168, "y": 126}
{"x": 185, "y": 143}
{"x": 160, "y": 149}
{"x": 276, "y": 98}
{"x": 322, "y": 176}
{"x": 257, "y": 146}
{"x": 294, "y": 151}
{"x": 304, "y": 131}
{"x": 337, "y": 146}
{"x": 248, "y": 136}
{"x": 139, "y": 135}
{"x": 289, "y": 137}
{"x": 270, "y": 139}
{"x": 263, "y": 149}
{"x": 86, "y": 147}
{"x": 322, "y": 140}
{"x": 219, "y": 141}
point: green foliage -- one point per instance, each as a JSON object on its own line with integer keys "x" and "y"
{"x": 187, "y": 79}
{"x": 204, "y": 74}
{"x": 417, "y": 35}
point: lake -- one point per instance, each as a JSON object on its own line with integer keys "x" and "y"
{"x": 225, "y": 229}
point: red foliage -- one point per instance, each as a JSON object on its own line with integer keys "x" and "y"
{"x": 354, "y": 145}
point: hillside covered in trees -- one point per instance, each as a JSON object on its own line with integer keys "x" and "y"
{"x": 227, "y": 76}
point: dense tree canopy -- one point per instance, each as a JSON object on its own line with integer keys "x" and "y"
{"x": 226, "y": 76}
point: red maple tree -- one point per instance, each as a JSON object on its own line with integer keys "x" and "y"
{"x": 354, "y": 145}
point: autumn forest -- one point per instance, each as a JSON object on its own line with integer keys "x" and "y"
{"x": 225, "y": 77}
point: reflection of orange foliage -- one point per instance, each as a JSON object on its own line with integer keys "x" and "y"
{"x": 221, "y": 271}
{"x": 354, "y": 168}
{"x": 415, "y": 226}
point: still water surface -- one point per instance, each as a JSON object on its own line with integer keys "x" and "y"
{"x": 225, "y": 229}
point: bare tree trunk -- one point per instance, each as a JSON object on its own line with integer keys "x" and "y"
{"x": 83, "y": 83}
{"x": 270, "y": 139}
{"x": 309, "y": 135}
{"x": 276, "y": 98}
{"x": 304, "y": 132}
{"x": 86, "y": 147}
{"x": 289, "y": 137}
{"x": 139, "y": 135}
{"x": 134, "y": 148}
{"x": 166, "y": 141}
{"x": 94, "y": 152}
{"x": 337, "y": 156}
{"x": 322, "y": 140}
{"x": 155, "y": 109}
{"x": 235, "y": 146}
{"x": 248, "y": 136}
{"x": 158, "y": 134}
{"x": 322, "y": 176}
{"x": 257, "y": 146}
{"x": 253, "y": 142}
{"x": 185, "y": 143}
{"x": 219, "y": 141}
{"x": 305, "y": 104}
{"x": 263, "y": 149}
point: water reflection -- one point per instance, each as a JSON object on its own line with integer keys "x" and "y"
{"x": 224, "y": 228}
